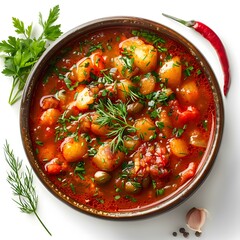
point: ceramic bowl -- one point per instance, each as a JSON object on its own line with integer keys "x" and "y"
{"x": 211, "y": 152}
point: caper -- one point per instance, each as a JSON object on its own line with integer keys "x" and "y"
{"x": 101, "y": 177}
{"x": 135, "y": 108}
{"x": 146, "y": 181}
{"x": 132, "y": 187}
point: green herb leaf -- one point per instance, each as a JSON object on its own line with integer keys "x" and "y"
{"x": 179, "y": 131}
{"x": 50, "y": 32}
{"x": 80, "y": 170}
{"x": 22, "y": 53}
{"x": 22, "y": 185}
{"x": 115, "y": 116}
{"x": 160, "y": 191}
{"x": 19, "y": 26}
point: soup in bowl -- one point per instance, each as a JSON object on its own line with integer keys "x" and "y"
{"x": 122, "y": 117}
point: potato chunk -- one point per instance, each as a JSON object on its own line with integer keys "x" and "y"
{"x": 145, "y": 58}
{"x": 144, "y": 55}
{"x": 147, "y": 84}
{"x": 146, "y": 129}
{"x": 81, "y": 72}
{"x": 106, "y": 160}
{"x": 50, "y": 116}
{"x": 73, "y": 150}
{"x": 197, "y": 139}
{"x": 84, "y": 67}
{"x": 171, "y": 72}
{"x": 179, "y": 147}
{"x": 85, "y": 97}
{"x": 189, "y": 92}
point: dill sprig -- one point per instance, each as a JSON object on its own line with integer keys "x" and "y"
{"x": 114, "y": 116}
{"x": 22, "y": 185}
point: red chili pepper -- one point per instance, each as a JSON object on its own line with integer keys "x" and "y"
{"x": 216, "y": 42}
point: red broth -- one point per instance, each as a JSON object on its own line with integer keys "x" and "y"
{"x": 121, "y": 119}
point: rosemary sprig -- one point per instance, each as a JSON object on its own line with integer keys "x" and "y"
{"x": 22, "y": 185}
{"x": 115, "y": 116}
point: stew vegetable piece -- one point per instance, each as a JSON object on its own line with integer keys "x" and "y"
{"x": 122, "y": 118}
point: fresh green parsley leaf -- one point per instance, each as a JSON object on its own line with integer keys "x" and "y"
{"x": 50, "y": 32}
{"x": 21, "y": 53}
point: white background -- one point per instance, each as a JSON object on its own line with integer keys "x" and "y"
{"x": 220, "y": 193}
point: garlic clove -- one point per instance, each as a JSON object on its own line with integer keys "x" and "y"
{"x": 196, "y": 218}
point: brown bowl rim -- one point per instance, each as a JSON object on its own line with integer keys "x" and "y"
{"x": 191, "y": 186}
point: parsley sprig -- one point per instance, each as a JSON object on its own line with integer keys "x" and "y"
{"x": 21, "y": 53}
{"x": 22, "y": 185}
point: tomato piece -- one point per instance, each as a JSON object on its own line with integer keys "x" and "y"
{"x": 182, "y": 116}
{"x": 188, "y": 173}
{"x": 49, "y": 132}
{"x": 49, "y": 101}
{"x": 191, "y": 113}
{"x": 53, "y": 168}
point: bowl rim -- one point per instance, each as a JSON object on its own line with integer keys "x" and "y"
{"x": 107, "y": 22}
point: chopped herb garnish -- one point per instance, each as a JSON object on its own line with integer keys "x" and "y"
{"x": 61, "y": 130}
{"x": 131, "y": 198}
{"x": 154, "y": 114}
{"x": 160, "y": 125}
{"x": 128, "y": 64}
{"x": 40, "y": 143}
{"x": 154, "y": 184}
{"x": 92, "y": 152}
{"x": 117, "y": 197}
{"x": 199, "y": 72}
{"x": 158, "y": 97}
{"x": 80, "y": 170}
{"x": 150, "y": 37}
{"x": 162, "y": 49}
{"x": 179, "y": 131}
{"x": 133, "y": 93}
{"x": 188, "y": 71}
{"x": 115, "y": 116}
{"x": 68, "y": 82}
{"x": 94, "y": 48}
{"x": 160, "y": 191}
{"x": 205, "y": 124}
{"x": 72, "y": 187}
{"x": 107, "y": 78}
{"x": 100, "y": 200}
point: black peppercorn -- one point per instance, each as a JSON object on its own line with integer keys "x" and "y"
{"x": 182, "y": 230}
{"x": 198, "y": 234}
{"x": 186, "y": 234}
